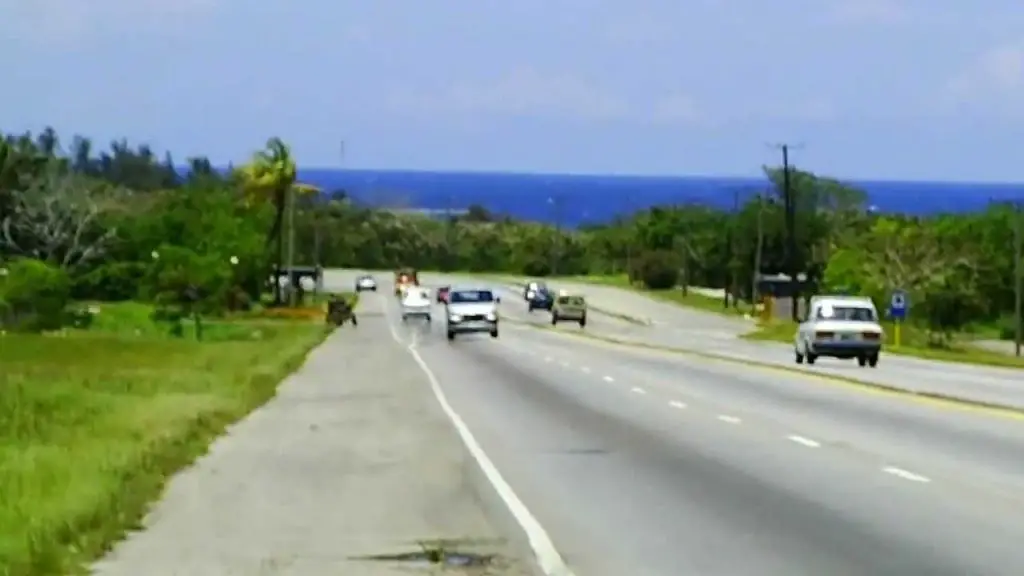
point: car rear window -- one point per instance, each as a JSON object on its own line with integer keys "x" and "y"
{"x": 469, "y": 296}
{"x": 571, "y": 300}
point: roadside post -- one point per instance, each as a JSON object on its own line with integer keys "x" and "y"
{"x": 898, "y": 304}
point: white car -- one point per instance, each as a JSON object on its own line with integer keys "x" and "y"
{"x": 366, "y": 282}
{"x": 416, "y": 303}
{"x": 840, "y": 327}
{"x": 472, "y": 310}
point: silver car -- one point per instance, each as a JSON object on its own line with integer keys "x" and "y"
{"x": 472, "y": 310}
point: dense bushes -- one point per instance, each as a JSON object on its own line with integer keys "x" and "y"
{"x": 659, "y": 269}
{"x": 34, "y": 295}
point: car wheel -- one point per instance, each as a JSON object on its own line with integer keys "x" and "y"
{"x": 811, "y": 358}
{"x": 862, "y": 361}
{"x": 799, "y": 358}
{"x": 583, "y": 322}
{"x": 494, "y": 333}
{"x": 873, "y": 360}
{"x": 354, "y": 321}
{"x": 451, "y": 336}
{"x": 554, "y": 319}
{"x": 405, "y": 318}
{"x": 428, "y": 318}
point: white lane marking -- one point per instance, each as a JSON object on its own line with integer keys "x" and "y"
{"x": 609, "y": 379}
{"x": 585, "y": 370}
{"x": 805, "y": 441}
{"x": 548, "y": 558}
{"x": 905, "y": 474}
{"x": 729, "y": 419}
{"x": 639, "y": 390}
{"x": 677, "y": 404}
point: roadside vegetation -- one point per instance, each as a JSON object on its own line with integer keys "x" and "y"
{"x": 137, "y": 320}
{"x": 958, "y": 269}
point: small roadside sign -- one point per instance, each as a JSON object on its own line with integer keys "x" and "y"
{"x": 898, "y": 304}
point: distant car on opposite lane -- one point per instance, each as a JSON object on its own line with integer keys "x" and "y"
{"x": 843, "y": 327}
{"x": 569, "y": 307}
{"x": 532, "y": 288}
{"x": 542, "y": 299}
{"x": 366, "y": 282}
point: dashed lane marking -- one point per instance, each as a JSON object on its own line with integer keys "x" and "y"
{"x": 638, "y": 390}
{"x": 805, "y": 441}
{"x": 677, "y": 404}
{"x": 585, "y": 370}
{"x": 609, "y": 379}
{"x": 729, "y": 419}
{"x": 905, "y": 474}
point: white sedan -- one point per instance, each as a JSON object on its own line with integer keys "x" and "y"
{"x": 416, "y": 303}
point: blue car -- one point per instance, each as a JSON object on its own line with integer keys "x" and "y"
{"x": 542, "y": 299}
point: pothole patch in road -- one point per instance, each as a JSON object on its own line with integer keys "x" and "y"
{"x": 437, "y": 554}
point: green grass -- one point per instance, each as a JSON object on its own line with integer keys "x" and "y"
{"x": 95, "y": 421}
{"x": 913, "y": 342}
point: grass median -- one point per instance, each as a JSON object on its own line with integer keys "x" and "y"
{"x": 97, "y": 420}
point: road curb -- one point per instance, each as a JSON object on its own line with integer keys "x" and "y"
{"x": 1010, "y": 410}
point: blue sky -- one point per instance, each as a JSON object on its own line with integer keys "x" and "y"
{"x": 906, "y": 89}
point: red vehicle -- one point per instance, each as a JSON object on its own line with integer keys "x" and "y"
{"x": 442, "y": 294}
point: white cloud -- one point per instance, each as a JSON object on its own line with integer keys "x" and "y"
{"x": 992, "y": 83}
{"x": 860, "y": 12}
{"x": 528, "y": 92}
{"x": 524, "y": 91}
{"x": 66, "y": 22}
{"x": 677, "y": 108}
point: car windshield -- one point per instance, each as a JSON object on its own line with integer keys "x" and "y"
{"x": 471, "y": 296}
{"x": 571, "y": 300}
{"x": 846, "y": 313}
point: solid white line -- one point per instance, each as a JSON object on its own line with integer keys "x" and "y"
{"x": 585, "y": 370}
{"x": 805, "y": 441}
{"x": 639, "y": 390}
{"x": 906, "y": 475}
{"x": 550, "y": 561}
{"x": 609, "y": 379}
{"x": 677, "y": 404}
{"x": 729, "y": 419}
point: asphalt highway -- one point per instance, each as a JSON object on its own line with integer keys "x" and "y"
{"x": 650, "y": 463}
{"x": 673, "y": 326}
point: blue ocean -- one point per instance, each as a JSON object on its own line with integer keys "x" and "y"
{"x": 577, "y": 199}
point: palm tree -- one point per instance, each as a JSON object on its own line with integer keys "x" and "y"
{"x": 270, "y": 176}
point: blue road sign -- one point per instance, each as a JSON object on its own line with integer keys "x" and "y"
{"x": 898, "y": 304}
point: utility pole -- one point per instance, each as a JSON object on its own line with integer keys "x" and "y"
{"x": 758, "y": 251}
{"x": 556, "y": 204}
{"x": 292, "y": 288}
{"x": 1018, "y": 279}
{"x": 789, "y": 202}
{"x": 730, "y": 271}
{"x": 451, "y": 256}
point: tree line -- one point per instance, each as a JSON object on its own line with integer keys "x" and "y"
{"x": 124, "y": 223}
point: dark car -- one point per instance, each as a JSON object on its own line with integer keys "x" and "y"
{"x": 542, "y": 299}
{"x": 442, "y": 294}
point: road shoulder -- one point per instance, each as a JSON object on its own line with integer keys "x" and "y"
{"x": 353, "y": 458}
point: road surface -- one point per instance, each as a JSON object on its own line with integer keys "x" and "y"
{"x": 643, "y": 462}
{"x": 353, "y": 457}
{"x": 682, "y": 328}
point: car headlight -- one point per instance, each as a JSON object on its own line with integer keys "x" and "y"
{"x": 491, "y": 317}
{"x": 455, "y": 318}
